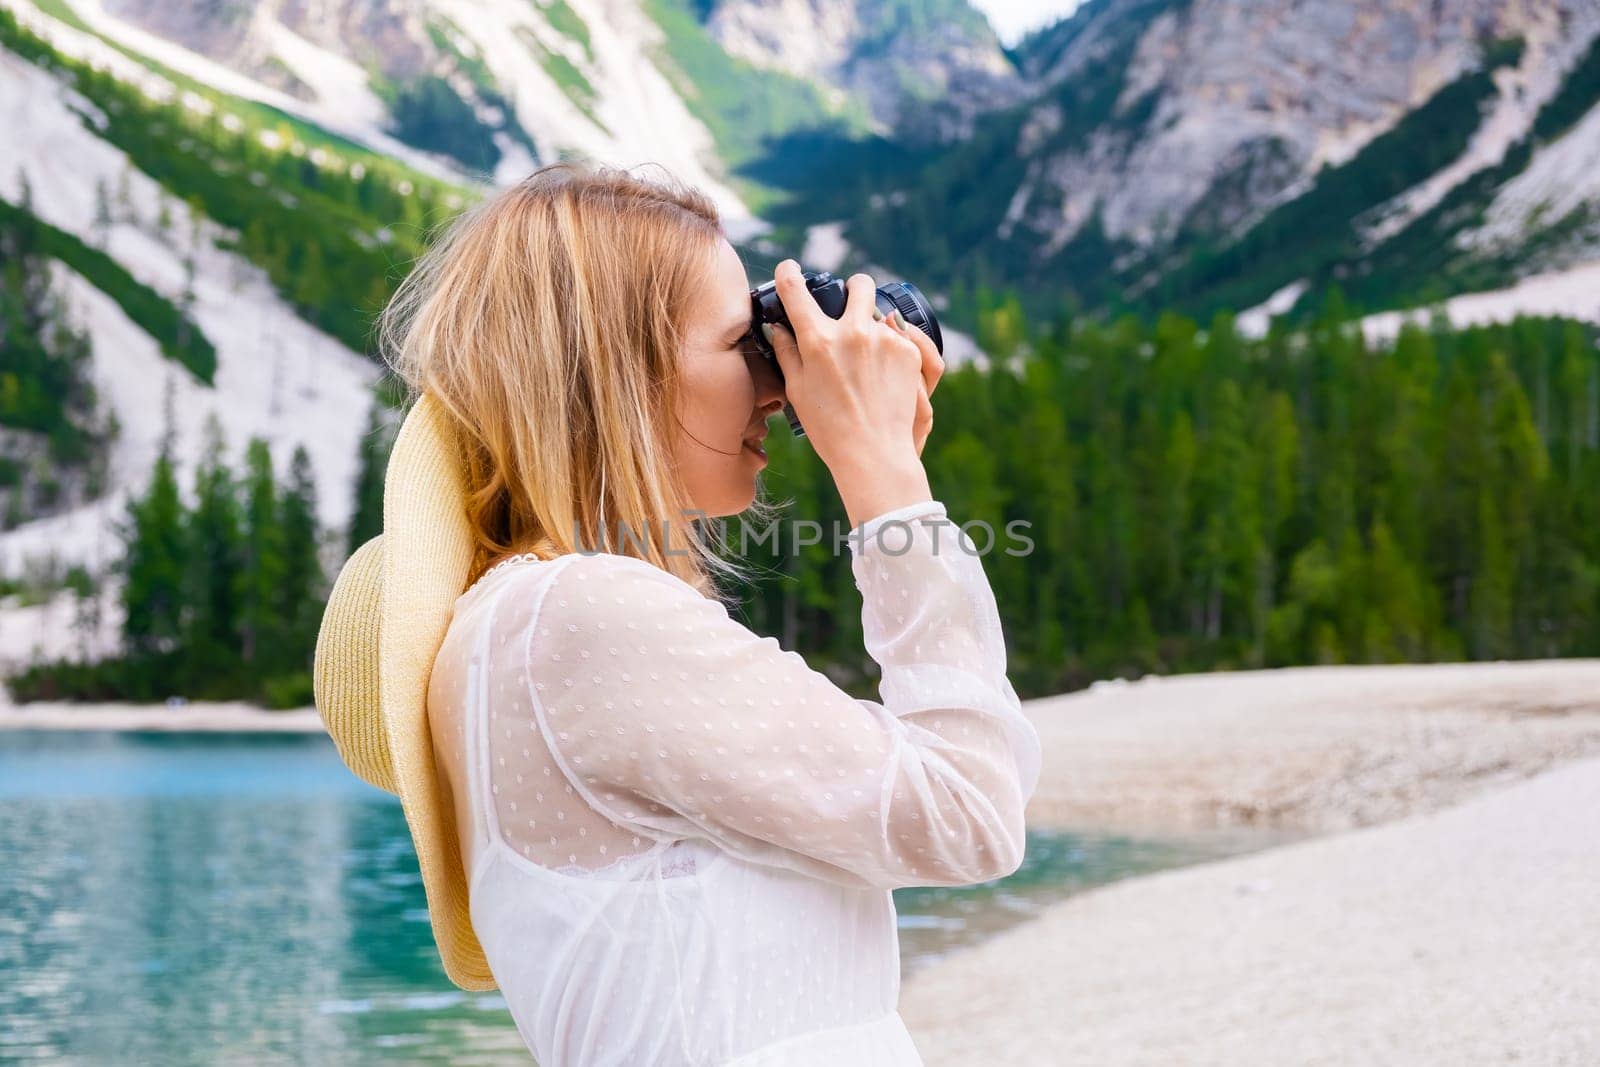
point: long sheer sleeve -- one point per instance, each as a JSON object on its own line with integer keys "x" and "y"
{"x": 673, "y": 719}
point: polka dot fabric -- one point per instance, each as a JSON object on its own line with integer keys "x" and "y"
{"x": 682, "y": 839}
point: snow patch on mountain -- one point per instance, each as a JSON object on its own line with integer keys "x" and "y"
{"x": 277, "y": 377}
{"x": 1552, "y": 48}
{"x": 825, "y": 247}
{"x": 54, "y": 629}
{"x": 329, "y": 76}
{"x": 1572, "y": 293}
{"x": 1562, "y": 181}
{"x": 1255, "y": 321}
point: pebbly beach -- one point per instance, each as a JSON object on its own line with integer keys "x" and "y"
{"x": 1443, "y": 910}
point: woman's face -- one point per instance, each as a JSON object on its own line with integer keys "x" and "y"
{"x": 729, "y": 392}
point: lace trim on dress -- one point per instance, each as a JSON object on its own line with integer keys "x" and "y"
{"x": 521, "y": 557}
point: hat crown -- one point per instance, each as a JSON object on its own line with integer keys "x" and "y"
{"x": 386, "y": 618}
{"x": 344, "y": 675}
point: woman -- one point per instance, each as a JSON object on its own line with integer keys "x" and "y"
{"x": 680, "y": 841}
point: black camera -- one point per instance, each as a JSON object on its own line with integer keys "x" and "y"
{"x": 829, "y": 293}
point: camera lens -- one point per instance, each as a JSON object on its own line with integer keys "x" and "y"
{"x": 829, "y": 293}
{"x": 913, "y": 307}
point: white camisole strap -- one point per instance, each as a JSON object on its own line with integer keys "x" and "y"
{"x": 484, "y": 821}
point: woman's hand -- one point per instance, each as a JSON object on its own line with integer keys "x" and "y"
{"x": 932, "y": 371}
{"x": 858, "y": 388}
{"x": 862, "y": 391}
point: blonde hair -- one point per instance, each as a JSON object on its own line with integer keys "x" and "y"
{"x": 548, "y": 320}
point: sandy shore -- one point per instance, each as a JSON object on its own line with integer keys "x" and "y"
{"x": 1310, "y": 748}
{"x": 1466, "y": 936}
{"x": 1465, "y": 929}
{"x": 45, "y": 715}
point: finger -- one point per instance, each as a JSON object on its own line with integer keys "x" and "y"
{"x": 805, "y": 317}
{"x": 861, "y": 297}
{"x": 932, "y": 361}
{"x": 922, "y": 425}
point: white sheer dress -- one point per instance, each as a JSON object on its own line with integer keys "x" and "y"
{"x": 681, "y": 840}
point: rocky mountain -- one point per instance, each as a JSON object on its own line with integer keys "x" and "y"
{"x": 923, "y": 70}
{"x": 1102, "y": 156}
{"x": 270, "y": 373}
{"x": 254, "y": 168}
{"x": 1169, "y": 141}
{"x": 493, "y": 88}
{"x": 452, "y": 93}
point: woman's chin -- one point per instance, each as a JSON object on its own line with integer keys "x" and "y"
{"x": 734, "y": 499}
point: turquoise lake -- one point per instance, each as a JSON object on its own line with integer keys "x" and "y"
{"x": 205, "y": 898}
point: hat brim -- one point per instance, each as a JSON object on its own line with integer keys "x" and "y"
{"x": 427, "y": 555}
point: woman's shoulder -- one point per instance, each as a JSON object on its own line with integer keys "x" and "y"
{"x": 568, "y": 607}
{"x": 582, "y": 580}
{"x": 600, "y": 582}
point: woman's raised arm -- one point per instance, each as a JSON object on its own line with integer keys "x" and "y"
{"x": 674, "y": 719}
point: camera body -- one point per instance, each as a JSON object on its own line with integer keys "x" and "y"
{"x": 830, "y": 294}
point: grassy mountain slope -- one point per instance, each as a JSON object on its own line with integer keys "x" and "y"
{"x": 313, "y": 220}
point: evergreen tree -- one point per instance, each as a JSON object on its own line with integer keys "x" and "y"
{"x": 1492, "y": 584}
{"x": 1049, "y": 580}
{"x": 1175, "y": 514}
{"x": 301, "y": 592}
{"x": 1573, "y": 378}
{"x": 186, "y": 302}
{"x": 366, "y": 519}
{"x": 197, "y": 221}
{"x": 125, "y": 194}
{"x": 1404, "y": 392}
{"x": 102, "y": 212}
{"x": 1304, "y": 628}
{"x": 311, "y": 278}
{"x": 215, "y": 551}
{"x": 152, "y": 562}
{"x": 153, "y": 565}
{"x": 1001, "y": 328}
{"x": 87, "y": 610}
{"x": 1454, "y": 474}
{"x": 1398, "y": 615}
{"x": 262, "y": 574}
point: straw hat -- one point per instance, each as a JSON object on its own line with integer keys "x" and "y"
{"x": 385, "y": 620}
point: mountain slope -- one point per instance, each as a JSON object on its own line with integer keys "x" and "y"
{"x": 924, "y": 70}
{"x": 1201, "y": 154}
{"x": 530, "y": 81}
{"x": 491, "y": 88}
{"x": 1165, "y": 132}
{"x": 269, "y": 362}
